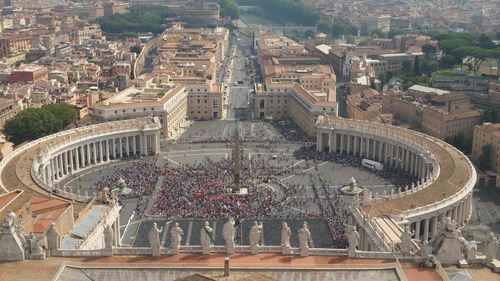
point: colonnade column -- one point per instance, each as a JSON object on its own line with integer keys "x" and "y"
{"x": 134, "y": 145}
{"x": 355, "y": 145}
{"x": 349, "y": 144}
{"x": 107, "y": 150}
{"x": 341, "y": 143}
{"x": 459, "y": 215}
{"x": 94, "y": 150}
{"x": 120, "y": 145}
{"x": 426, "y": 229}
{"x": 319, "y": 141}
{"x": 71, "y": 162}
{"x": 87, "y": 149}
{"x": 417, "y": 230}
{"x": 434, "y": 226}
{"x": 380, "y": 148}
{"x": 367, "y": 148}
{"x": 77, "y": 158}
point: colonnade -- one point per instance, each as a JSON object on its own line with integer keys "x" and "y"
{"x": 383, "y": 150}
{"x": 400, "y": 155}
{"x": 75, "y": 157}
{"x": 426, "y": 228}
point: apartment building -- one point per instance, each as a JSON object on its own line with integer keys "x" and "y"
{"x": 14, "y": 44}
{"x": 440, "y": 115}
{"x": 487, "y": 133}
{"x": 169, "y": 104}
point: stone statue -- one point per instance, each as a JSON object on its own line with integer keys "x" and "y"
{"x": 450, "y": 225}
{"x": 304, "y": 237}
{"x": 205, "y": 238}
{"x": 353, "y": 240}
{"x": 154, "y": 240}
{"x": 104, "y": 195}
{"x": 406, "y": 241}
{"x": 228, "y": 233}
{"x": 53, "y": 239}
{"x": 255, "y": 233}
{"x": 175, "y": 238}
{"x": 11, "y": 247}
{"x": 35, "y": 247}
{"x": 470, "y": 249}
{"x": 108, "y": 237}
{"x": 490, "y": 249}
{"x": 285, "y": 239}
{"x": 425, "y": 249}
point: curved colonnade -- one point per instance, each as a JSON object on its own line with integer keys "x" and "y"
{"x": 446, "y": 175}
{"x": 39, "y": 165}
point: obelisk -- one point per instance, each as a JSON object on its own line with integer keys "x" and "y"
{"x": 236, "y": 161}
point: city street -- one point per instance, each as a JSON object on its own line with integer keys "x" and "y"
{"x": 240, "y": 82}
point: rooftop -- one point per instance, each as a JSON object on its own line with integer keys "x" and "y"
{"x": 140, "y": 266}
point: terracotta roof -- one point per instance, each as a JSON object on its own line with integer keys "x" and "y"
{"x": 47, "y": 210}
{"x": 6, "y": 199}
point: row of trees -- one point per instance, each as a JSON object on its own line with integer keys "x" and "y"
{"x": 478, "y": 48}
{"x": 295, "y": 11}
{"x": 34, "y": 123}
{"x": 287, "y": 10}
{"x": 229, "y": 8}
{"x": 140, "y": 18}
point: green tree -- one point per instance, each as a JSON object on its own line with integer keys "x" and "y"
{"x": 447, "y": 61}
{"x": 394, "y": 32}
{"x": 429, "y": 66}
{"x": 350, "y": 39}
{"x": 229, "y": 8}
{"x": 136, "y": 49}
{"x": 429, "y": 49}
{"x": 485, "y": 42}
{"x": 377, "y": 33}
{"x": 33, "y": 123}
{"x": 484, "y": 160}
{"x": 406, "y": 67}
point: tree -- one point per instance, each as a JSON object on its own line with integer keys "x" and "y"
{"x": 140, "y": 18}
{"x": 447, "y": 61}
{"x": 136, "y": 49}
{"x": 429, "y": 66}
{"x": 406, "y": 67}
{"x": 33, "y": 123}
{"x": 377, "y": 33}
{"x": 229, "y": 8}
{"x": 485, "y": 42}
{"x": 350, "y": 39}
{"x": 429, "y": 49}
{"x": 484, "y": 160}
{"x": 394, "y": 32}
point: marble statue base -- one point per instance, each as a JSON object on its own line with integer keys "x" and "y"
{"x": 286, "y": 250}
{"x": 254, "y": 250}
{"x": 450, "y": 251}
{"x": 351, "y": 253}
{"x": 107, "y": 252}
{"x": 174, "y": 251}
{"x": 230, "y": 249}
{"x": 206, "y": 250}
{"x": 304, "y": 252}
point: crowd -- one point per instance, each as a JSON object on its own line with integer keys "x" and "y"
{"x": 140, "y": 177}
{"x": 202, "y": 190}
{"x": 398, "y": 177}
